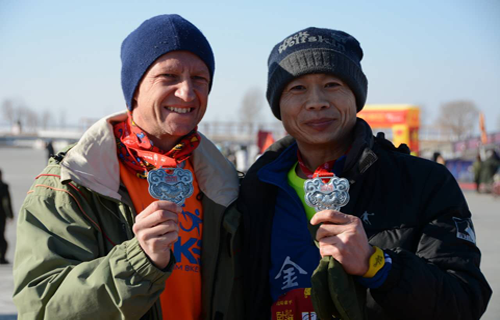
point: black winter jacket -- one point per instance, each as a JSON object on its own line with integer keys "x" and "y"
{"x": 415, "y": 212}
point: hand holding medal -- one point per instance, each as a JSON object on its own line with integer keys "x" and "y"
{"x": 156, "y": 227}
{"x": 173, "y": 185}
{"x": 339, "y": 235}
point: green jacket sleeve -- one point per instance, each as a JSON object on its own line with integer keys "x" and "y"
{"x": 61, "y": 272}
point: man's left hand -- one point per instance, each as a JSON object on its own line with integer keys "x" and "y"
{"x": 343, "y": 237}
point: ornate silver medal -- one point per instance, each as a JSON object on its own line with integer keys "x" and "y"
{"x": 333, "y": 194}
{"x": 172, "y": 184}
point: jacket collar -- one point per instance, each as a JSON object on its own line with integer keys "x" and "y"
{"x": 93, "y": 163}
{"x": 361, "y": 156}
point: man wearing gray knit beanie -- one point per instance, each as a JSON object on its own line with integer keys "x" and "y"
{"x": 134, "y": 221}
{"x": 343, "y": 223}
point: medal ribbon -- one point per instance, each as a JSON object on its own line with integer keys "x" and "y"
{"x": 323, "y": 171}
{"x": 138, "y": 153}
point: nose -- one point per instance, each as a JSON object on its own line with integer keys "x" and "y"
{"x": 316, "y": 99}
{"x": 185, "y": 91}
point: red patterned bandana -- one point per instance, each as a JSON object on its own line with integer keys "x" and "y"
{"x": 138, "y": 153}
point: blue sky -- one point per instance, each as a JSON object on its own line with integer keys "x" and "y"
{"x": 63, "y": 56}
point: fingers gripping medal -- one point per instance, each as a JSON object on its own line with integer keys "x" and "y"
{"x": 332, "y": 194}
{"x": 172, "y": 184}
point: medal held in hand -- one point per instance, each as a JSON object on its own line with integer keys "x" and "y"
{"x": 332, "y": 194}
{"x": 323, "y": 189}
{"x": 172, "y": 184}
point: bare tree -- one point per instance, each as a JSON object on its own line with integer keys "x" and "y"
{"x": 423, "y": 114}
{"x": 251, "y": 105}
{"x": 8, "y": 111}
{"x": 460, "y": 117}
{"x": 27, "y": 117}
{"x": 16, "y": 111}
{"x": 20, "y": 114}
{"x": 31, "y": 120}
{"x": 46, "y": 119}
{"x": 62, "y": 118}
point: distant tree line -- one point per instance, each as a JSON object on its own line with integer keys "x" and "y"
{"x": 459, "y": 117}
{"x": 17, "y": 112}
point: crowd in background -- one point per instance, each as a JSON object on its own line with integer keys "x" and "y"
{"x": 484, "y": 172}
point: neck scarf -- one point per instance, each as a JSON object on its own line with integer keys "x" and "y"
{"x": 138, "y": 153}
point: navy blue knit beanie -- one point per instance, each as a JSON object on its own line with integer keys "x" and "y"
{"x": 154, "y": 38}
{"x": 315, "y": 50}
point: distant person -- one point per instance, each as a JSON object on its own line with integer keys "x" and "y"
{"x": 17, "y": 128}
{"x": 134, "y": 221}
{"x": 6, "y": 213}
{"x": 495, "y": 189}
{"x": 476, "y": 170}
{"x": 241, "y": 156}
{"x": 489, "y": 167}
{"x": 437, "y": 157}
{"x": 50, "y": 149}
{"x": 344, "y": 222}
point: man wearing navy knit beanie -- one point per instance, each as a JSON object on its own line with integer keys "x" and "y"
{"x": 344, "y": 223}
{"x": 134, "y": 221}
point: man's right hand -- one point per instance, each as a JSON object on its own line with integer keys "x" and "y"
{"x": 157, "y": 229}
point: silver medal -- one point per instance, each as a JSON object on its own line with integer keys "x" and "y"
{"x": 172, "y": 184}
{"x": 331, "y": 195}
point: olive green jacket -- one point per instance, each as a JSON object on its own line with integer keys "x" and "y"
{"x": 76, "y": 255}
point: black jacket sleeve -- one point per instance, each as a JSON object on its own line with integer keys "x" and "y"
{"x": 441, "y": 279}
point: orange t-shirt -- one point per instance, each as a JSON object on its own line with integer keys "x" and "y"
{"x": 181, "y": 298}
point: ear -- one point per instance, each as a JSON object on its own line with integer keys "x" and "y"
{"x": 134, "y": 99}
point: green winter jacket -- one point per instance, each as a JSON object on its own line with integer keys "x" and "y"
{"x": 76, "y": 255}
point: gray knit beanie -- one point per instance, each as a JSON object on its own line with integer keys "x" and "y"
{"x": 154, "y": 38}
{"x": 315, "y": 50}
